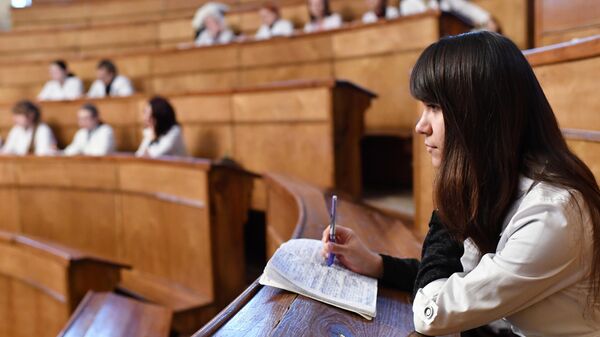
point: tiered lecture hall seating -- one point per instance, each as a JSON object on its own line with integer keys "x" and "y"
{"x": 299, "y": 210}
{"x": 41, "y": 283}
{"x": 178, "y": 223}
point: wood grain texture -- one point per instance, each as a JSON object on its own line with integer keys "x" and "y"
{"x": 560, "y": 20}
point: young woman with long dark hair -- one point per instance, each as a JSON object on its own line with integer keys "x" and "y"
{"x": 162, "y": 135}
{"x": 516, "y": 232}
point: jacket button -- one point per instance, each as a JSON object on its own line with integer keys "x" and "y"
{"x": 428, "y": 312}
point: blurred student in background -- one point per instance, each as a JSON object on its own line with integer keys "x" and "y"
{"x": 29, "y": 135}
{"x": 62, "y": 85}
{"x": 162, "y": 134}
{"x": 210, "y": 25}
{"x": 109, "y": 82}
{"x": 477, "y": 16}
{"x": 379, "y": 10}
{"x": 94, "y": 138}
{"x": 272, "y": 23}
{"x": 321, "y": 17}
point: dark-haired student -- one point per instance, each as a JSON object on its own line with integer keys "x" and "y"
{"x": 62, "y": 85}
{"x": 162, "y": 135}
{"x": 109, "y": 83}
{"x": 379, "y": 10}
{"x": 516, "y": 232}
{"x": 29, "y": 135}
{"x": 321, "y": 17}
{"x": 94, "y": 138}
{"x": 273, "y": 24}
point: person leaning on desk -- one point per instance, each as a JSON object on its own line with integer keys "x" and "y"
{"x": 516, "y": 232}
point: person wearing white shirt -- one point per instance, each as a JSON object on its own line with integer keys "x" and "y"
{"x": 29, "y": 136}
{"x": 321, "y": 17}
{"x": 109, "y": 83}
{"x": 272, "y": 23}
{"x": 210, "y": 25}
{"x": 379, "y": 10}
{"x": 63, "y": 84}
{"x": 94, "y": 138}
{"x": 516, "y": 232}
{"x": 478, "y": 17}
{"x": 162, "y": 135}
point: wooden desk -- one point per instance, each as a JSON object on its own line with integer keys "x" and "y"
{"x": 562, "y": 21}
{"x": 299, "y": 210}
{"x": 308, "y": 129}
{"x": 108, "y": 314}
{"x": 172, "y": 220}
{"x": 41, "y": 283}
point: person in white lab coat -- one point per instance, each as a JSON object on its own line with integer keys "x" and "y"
{"x": 516, "y": 233}
{"x": 29, "y": 135}
{"x": 109, "y": 83}
{"x": 162, "y": 135}
{"x": 379, "y": 10}
{"x": 210, "y": 25}
{"x": 272, "y": 23}
{"x": 477, "y": 16}
{"x": 94, "y": 138}
{"x": 321, "y": 17}
{"x": 63, "y": 84}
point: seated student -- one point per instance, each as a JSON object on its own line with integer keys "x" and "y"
{"x": 478, "y": 16}
{"x": 94, "y": 138}
{"x": 162, "y": 135}
{"x": 210, "y": 25}
{"x": 63, "y": 84}
{"x": 379, "y": 10}
{"x": 272, "y": 23}
{"x": 29, "y": 135}
{"x": 321, "y": 17}
{"x": 109, "y": 82}
{"x": 516, "y": 232}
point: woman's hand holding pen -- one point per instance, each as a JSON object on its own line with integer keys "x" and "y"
{"x": 352, "y": 252}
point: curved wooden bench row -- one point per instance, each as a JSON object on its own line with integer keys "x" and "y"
{"x": 41, "y": 283}
{"x": 568, "y": 73}
{"x": 561, "y": 21}
{"x": 347, "y": 53}
{"x": 299, "y": 210}
{"x": 108, "y": 314}
{"x": 172, "y": 220}
{"x": 309, "y": 129}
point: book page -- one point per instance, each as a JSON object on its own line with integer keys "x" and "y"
{"x": 300, "y": 262}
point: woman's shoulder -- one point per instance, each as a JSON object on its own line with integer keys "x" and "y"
{"x": 73, "y": 80}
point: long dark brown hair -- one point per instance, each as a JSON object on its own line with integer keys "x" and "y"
{"x": 381, "y": 10}
{"x": 498, "y": 126}
{"x": 164, "y": 115}
{"x": 326, "y": 10}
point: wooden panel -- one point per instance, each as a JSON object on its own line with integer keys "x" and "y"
{"x": 513, "y": 18}
{"x": 562, "y": 20}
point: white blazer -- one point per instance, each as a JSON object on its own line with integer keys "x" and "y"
{"x": 72, "y": 88}
{"x": 390, "y": 13}
{"x": 121, "y": 86}
{"x": 477, "y": 15}
{"x": 206, "y": 39}
{"x": 19, "y": 140}
{"x": 97, "y": 142}
{"x": 281, "y": 27}
{"x": 331, "y": 22}
{"x": 537, "y": 278}
{"x": 170, "y": 144}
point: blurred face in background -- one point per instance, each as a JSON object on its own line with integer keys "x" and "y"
{"x": 23, "y": 120}
{"x": 267, "y": 16}
{"x": 57, "y": 73}
{"x": 149, "y": 121}
{"x": 86, "y": 120}
{"x": 373, "y": 5}
{"x": 213, "y": 25}
{"x": 316, "y": 8}
{"x": 104, "y": 75}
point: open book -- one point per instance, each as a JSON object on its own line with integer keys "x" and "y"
{"x": 298, "y": 266}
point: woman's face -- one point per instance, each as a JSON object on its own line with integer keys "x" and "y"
{"x": 373, "y": 4}
{"x": 212, "y": 24}
{"x": 23, "y": 120}
{"x": 316, "y": 8}
{"x": 267, "y": 17}
{"x": 86, "y": 120}
{"x": 431, "y": 125}
{"x": 149, "y": 121}
{"x": 56, "y": 73}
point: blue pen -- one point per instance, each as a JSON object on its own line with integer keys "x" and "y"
{"x": 332, "y": 228}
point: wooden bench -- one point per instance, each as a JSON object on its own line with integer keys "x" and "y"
{"x": 173, "y": 221}
{"x": 41, "y": 283}
{"x": 108, "y": 314}
{"x": 317, "y": 125}
{"x": 562, "y": 20}
{"x": 299, "y": 210}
